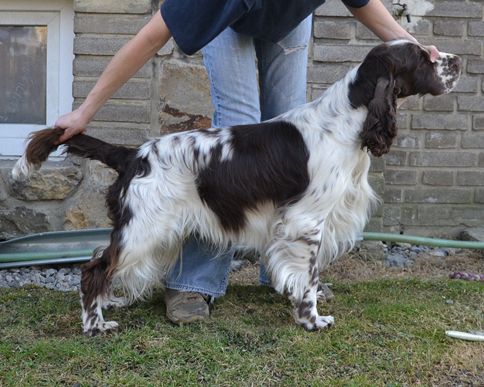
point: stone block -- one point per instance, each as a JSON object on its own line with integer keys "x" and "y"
{"x": 472, "y": 140}
{"x": 396, "y": 158}
{"x": 470, "y": 178}
{"x": 469, "y": 215}
{"x": 403, "y": 120}
{"x": 393, "y": 195}
{"x": 327, "y": 73}
{"x": 113, "y": 6}
{"x": 99, "y": 45}
{"x": 473, "y": 234}
{"x": 51, "y": 182}
{"x": 448, "y": 27}
{"x": 87, "y": 208}
{"x": 391, "y": 215}
{"x": 441, "y": 103}
{"x": 377, "y": 164}
{"x": 332, "y": 8}
{"x": 478, "y": 122}
{"x": 371, "y": 250}
{"x": 375, "y": 224}
{"x": 442, "y": 159}
{"x": 135, "y": 88}
{"x": 467, "y": 84}
{"x": 436, "y": 196}
{"x": 441, "y": 140}
{"x": 475, "y": 66}
{"x": 438, "y": 178}
{"x": 123, "y": 111}
{"x": 441, "y": 121}
{"x": 407, "y": 141}
{"x": 120, "y": 133}
{"x": 21, "y": 220}
{"x": 481, "y": 160}
{"x": 479, "y": 196}
{"x": 409, "y": 215}
{"x": 471, "y": 103}
{"x": 329, "y": 29}
{"x": 93, "y": 66}
{"x": 91, "y": 23}
{"x": 185, "y": 96}
{"x": 400, "y": 177}
{"x": 438, "y": 215}
{"x": 340, "y": 53}
{"x": 452, "y": 9}
{"x": 475, "y": 28}
{"x": 363, "y": 33}
{"x": 456, "y": 46}
{"x": 411, "y": 103}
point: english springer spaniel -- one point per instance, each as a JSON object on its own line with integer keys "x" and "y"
{"x": 294, "y": 188}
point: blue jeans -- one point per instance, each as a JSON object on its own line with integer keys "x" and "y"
{"x": 251, "y": 81}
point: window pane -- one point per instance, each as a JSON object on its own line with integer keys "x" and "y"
{"x": 23, "y": 69}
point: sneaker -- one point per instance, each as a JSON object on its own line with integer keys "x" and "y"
{"x": 185, "y": 307}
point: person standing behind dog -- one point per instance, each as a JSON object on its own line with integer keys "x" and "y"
{"x": 255, "y": 53}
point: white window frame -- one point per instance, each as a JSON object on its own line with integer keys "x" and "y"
{"x": 58, "y": 15}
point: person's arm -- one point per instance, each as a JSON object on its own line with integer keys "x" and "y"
{"x": 127, "y": 61}
{"x": 376, "y": 17}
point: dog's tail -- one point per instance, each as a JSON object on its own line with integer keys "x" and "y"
{"x": 44, "y": 142}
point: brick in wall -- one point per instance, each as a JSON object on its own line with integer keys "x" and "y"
{"x": 451, "y": 9}
{"x": 441, "y": 140}
{"x": 347, "y": 53}
{"x": 449, "y": 27}
{"x": 451, "y": 121}
{"x": 109, "y": 23}
{"x": 113, "y": 6}
{"x": 400, "y": 177}
{"x": 442, "y": 159}
{"x": 438, "y": 195}
{"x": 475, "y": 28}
{"x": 438, "y": 178}
{"x": 471, "y": 178}
{"x": 334, "y": 29}
{"x": 473, "y": 140}
{"x": 478, "y": 122}
{"x": 479, "y": 197}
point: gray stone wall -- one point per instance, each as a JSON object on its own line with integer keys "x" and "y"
{"x": 432, "y": 182}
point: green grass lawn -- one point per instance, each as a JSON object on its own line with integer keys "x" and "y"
{"x": 387, "y": 332}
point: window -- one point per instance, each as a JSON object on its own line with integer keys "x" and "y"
{"x": 36, "y": 54}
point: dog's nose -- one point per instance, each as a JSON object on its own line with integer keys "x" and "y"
{"x": 455, "y": 63}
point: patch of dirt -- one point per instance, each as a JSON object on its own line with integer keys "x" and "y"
{"x": 353, "y": 267}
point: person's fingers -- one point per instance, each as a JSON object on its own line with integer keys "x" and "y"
{"x": 69, "y": 133}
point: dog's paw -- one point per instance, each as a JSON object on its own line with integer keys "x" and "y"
{"x": 317, "y": 323}
{"x": 104, "y": 327}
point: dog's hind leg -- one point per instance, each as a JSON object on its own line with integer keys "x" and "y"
{"x": 95, "y": 287}
{"x": 292, "y": 261}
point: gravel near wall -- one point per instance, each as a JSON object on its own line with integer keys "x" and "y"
{"x": 68, "y": 278}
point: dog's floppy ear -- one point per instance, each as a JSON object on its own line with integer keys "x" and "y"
{"x": 380, "y": 128}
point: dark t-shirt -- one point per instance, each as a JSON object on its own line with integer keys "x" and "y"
{"x": 194, "y": 23}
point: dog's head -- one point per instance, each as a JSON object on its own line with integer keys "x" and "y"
{"x": 393, "y": 71}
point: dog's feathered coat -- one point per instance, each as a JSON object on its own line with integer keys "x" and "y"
{"x": 294, "y": 188}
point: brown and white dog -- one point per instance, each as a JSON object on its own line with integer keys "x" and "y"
{"x": 294, "y": 188}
